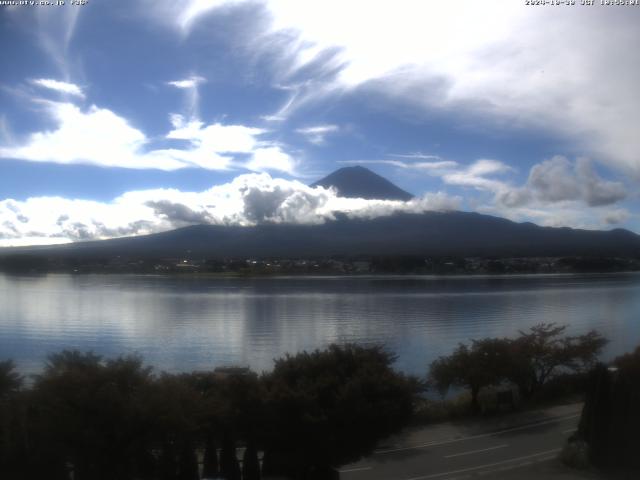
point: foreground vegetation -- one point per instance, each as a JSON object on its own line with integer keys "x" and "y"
{"x": 529, "y": 362}
{"x": 85, "y": 417}
{"x": 115, "y": 419}
{"x": 610, "y": 422}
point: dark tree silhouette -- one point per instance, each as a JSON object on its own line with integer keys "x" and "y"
{"x": 229, "y": 465}
{"x": 210, "y": 467}
{"x": 168, "y": 462}
{"x": 12, "y": 441}
{"x": 92, "y": 413}
{"x": 542, "y": 352}
{"x": 10, "y": 380}
{"x": 250, "y": 463}
{"x": 528, "y": 361}
{"x": 611, "y": 416}
{"x": 329, "y": 407}
{"x": 482, "y": 364}
{"x": 97, "y": 419}
{"x": 188, "y": 462}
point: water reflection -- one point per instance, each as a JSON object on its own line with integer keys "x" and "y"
{"x": 185, "y": 323}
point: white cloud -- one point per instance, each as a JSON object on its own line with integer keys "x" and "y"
{"x": 480, "y": 54}
{"x": 490, "y": 58}
{"x": 212, "y": 145}
{"x": 59, "y": 220}
{"x": 55, "y": 29}
{"x": 415, "y": 156}
{"x": 271, "y": 158}
{"x": 96, "y": 136}
{"x": 6, "y": 136}
{"x": 215, "y": 137}
{"x": 317, "y": 134}
{"x": 184, "y": 14}
{"x": 190, "y": 82}
{"x": 247, "y": 200}
{"x": 616, "y": 216}
{"x": 550, "y": 182}
{"x": 559, "y": 180}
{"x": 558, "y": 192}
{"x": 437, "y": 166}
{"x": 566, "y": 214}
{"x": 108, "y": 140}
{"x": 192, "y": 96}
{"x": 58, "y": 86}
{"x": 475, "y": 175}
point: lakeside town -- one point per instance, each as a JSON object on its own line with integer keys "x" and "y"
{"x": 336, "y": 265}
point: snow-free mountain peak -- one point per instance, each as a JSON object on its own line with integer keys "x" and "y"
{"x": 360, "y": 182}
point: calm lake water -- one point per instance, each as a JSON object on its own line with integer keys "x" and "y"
{"x": 186, "y": 323}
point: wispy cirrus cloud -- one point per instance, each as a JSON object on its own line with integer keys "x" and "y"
{"x": 190, "y": 82}
{"x": 479, "y": 175}
{"x": 54, "y": 29}
{"x": 192, "y": 97}
{"x": 415, "y": 156}
{"x": 183, "y": 15}
{"x": 467, "y": 56}
{"x": 435, "y": 165}
{"x": 317, "y": 134}
{"x": 66, "y": 88}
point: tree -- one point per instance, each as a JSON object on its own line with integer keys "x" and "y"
{"x": 326, "y": 408}
{"x": 99, "y": 419}
{"x": 542, "y": 352}
{"x": 250, "y": 463}
{"x": 210, "y": 459}
{"x": 93, "y": 414}
{"x": 187, "y": 462}
{"x": 229, "y": 466}
{"x": 481, "y": 365}
{"x": 174, "y": 408}
{"x": 11, "y": 414}
{"x": 610, "y": 418}
{"x": 10, "y": 381}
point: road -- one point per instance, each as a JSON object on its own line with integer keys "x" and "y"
{"x": 449, "y": 451}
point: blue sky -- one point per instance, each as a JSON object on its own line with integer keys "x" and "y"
{"x": 126, "y": 118}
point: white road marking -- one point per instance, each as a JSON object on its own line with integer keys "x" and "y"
{"x": 355, "y": 469}
{"x": 488, "y": 465}
{"x": 518, "y": 465}
{"x": 571, "y": 430}
{"x": 473, "y": 437}
{"x": 475, "y": 451}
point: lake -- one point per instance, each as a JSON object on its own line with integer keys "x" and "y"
{"x": 182, "y": 323}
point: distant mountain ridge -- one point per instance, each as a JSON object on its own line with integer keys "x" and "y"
{"x": 454, "y": 233}
{"x": 360, "y": 182}
{"x": 460, "y": 234}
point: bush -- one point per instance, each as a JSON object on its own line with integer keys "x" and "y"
{"x": 610, "y": 419}
{"x": 330, "y": 407}
{"x": 97, "y": 419}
